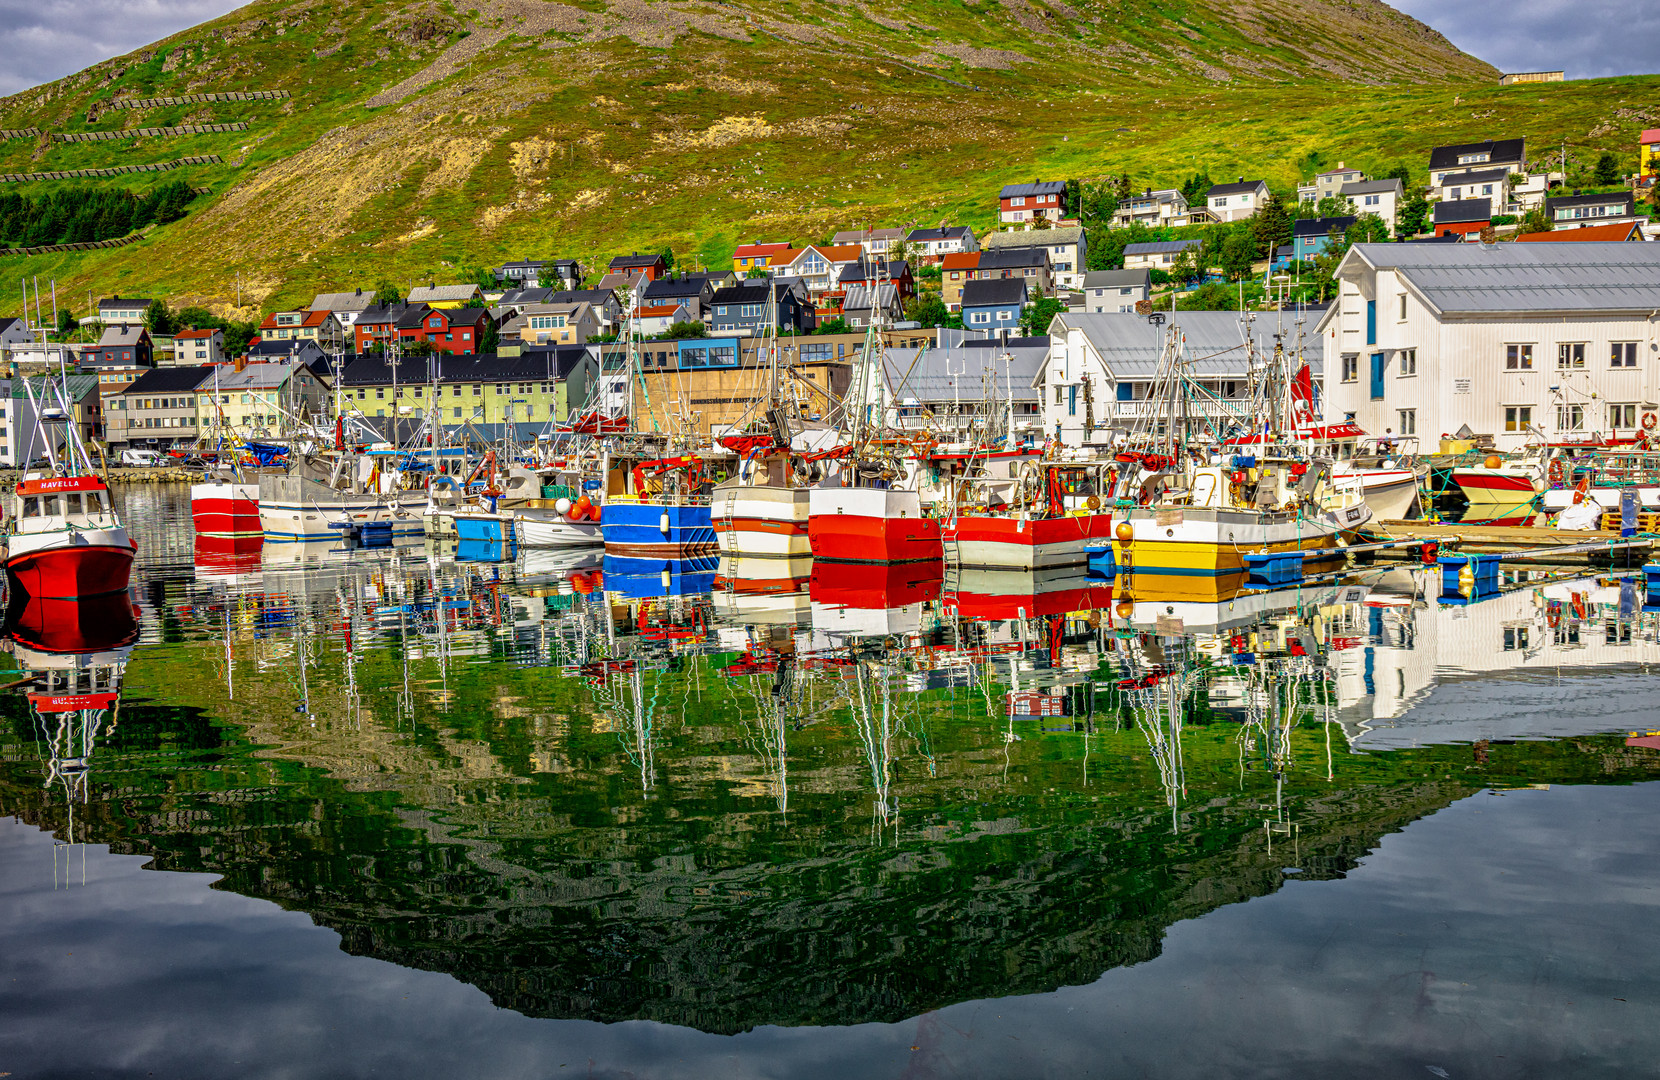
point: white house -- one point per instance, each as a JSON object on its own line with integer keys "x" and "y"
{"x": 1380, "y": 197}
{"x": 929, "y": 246}
{"x": 192, "y": 347}
{"x": 1507, "y": 154}
{"x": 1329, "y": 184}
{"x": 1236, "y": 202}
{"x": 1509, "y": 339}
{"x": 1167, "y": 206}
{"x": 1102, "y": 367}
{"x": 1067, "y": 247}
{"x": 1155, "y": 254}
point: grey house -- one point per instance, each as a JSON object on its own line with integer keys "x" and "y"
{"x": 528, "y": 272}
{"x": 157, "y": 410}
{"x": 603, "y": 302}
{"x": 693, "y": 290}
{"x": 742, "y": 309}
{"x": 1114, "y": 290}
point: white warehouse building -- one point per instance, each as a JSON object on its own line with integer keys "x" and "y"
{"x": 1550, "y": 340}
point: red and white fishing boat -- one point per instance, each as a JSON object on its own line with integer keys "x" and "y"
{"x": 225, "y": 507}
{"x": 1497, "y": 487}
{"x": 64, "y": 538}
{"x": 1051, "y": 516}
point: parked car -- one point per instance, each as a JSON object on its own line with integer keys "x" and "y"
{"x": 142, "y": 458}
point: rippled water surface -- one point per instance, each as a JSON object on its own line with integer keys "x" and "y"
{"x": 388, "y": 812}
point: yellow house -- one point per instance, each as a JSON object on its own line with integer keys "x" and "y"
{"x": 1649, "y": 162}
{"x": 256, "y": 399}
{"x": 447, "y": 296}
{"x": 757, "y": 256}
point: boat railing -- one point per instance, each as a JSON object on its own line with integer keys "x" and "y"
{"x": 659, "y": 500}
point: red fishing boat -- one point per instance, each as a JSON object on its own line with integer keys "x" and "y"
{"x": 66, "y": 539}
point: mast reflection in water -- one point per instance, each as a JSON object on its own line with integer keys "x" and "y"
{"x": 603, "y": 798}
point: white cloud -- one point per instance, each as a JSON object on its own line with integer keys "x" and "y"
{"x": 1586, "y": 38}
{"x": 46, "y": 41}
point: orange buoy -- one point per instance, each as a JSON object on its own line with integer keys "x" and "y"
{"x": 1125, "y": 531}
{"x": 1493, "y": 461}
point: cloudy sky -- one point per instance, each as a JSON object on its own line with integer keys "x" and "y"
{"x": 47, "y": 39}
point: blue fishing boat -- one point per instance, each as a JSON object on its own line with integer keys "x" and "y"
{"x": 656, "y": 509}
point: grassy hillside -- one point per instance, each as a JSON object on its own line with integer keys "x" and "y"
{"x": 424, "y": 137}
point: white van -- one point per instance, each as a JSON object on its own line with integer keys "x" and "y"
{"x": 141, "y": 458}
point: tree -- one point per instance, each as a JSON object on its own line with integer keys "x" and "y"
{"x": 668, "y": 260}
{"x": 1367, "y": 229}
{"x": 1271, "y": 226}
{"x": 1073, "y": 199}
{"x": 159, "y": 318}
{"x": 491, "y": 341}
{"x": 681, "y": 330}
{"x": 928, "y": 309}
{"x": 387, "y": 293}
{"x": 1413, "y": 215}
{"x": 1194, "y": 189}
{"x": 1097, "y": 203}
{"x": 1186, "y": 267}
{"x": 1211, "y": 296}
{"x": 483, "y": 277}
{"x": 547, "y": 279}
{"x": 1239, "y": 251}
{"x": 838, "y": 325}
{"x": 757, "y": 272}
{"x": 1035, "y": 318}
{"x": 1535, "y": 221}
{"x": 1608, "y": 170}
{"x": 67, "y": 323}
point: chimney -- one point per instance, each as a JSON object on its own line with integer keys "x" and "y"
{"x": 1341, "y": 166}
{"x": 1241, "y": 179}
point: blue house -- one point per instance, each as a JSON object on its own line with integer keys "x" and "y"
{"x": 1311, "y": 236}
{"x": 993, "y": 307}
{"x": 745, "y": 308}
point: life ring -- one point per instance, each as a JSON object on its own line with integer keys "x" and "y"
{"x": 1555, "y": 471}
{"x": 1650, "y": 421}
{"x": 1553, "y": 616}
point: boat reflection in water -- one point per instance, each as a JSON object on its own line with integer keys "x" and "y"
{"x": 71, "y": 656}
{"x": 613, "y": 788}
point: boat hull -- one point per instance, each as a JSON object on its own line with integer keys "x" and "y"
{"x": 66, "y": 571}
{"x": 656, "y": 530}
{"x": 1003, "y": 542}
{"x": 1199, "y": 554}
{"x": 752, "y": 574}
{"x": 483, "y": 528}
{"x": 305, "y": 522}
{"x": 763, "y": 522}
{"x": 547, "y": 532}
{"x": 871, "y": 525}
{"x": 225, "y": 510}
{"x": 1489, "y": 488}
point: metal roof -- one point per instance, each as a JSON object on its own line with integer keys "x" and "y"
{"x": 1463, "y": 211}
{"x": 1111, "y": 279}
{"x": 1371, "y": 187}
{"x": 1022, "y": 238}
{"x": 971, "y": 370}
{"x": 1498, "y": 150}
{"x": 1237, "y": 188}
{"x": 1130, "y": 345}
{"x": 1535, "y": 278}
{"x": 1038, "y": 187}
{"x": 1475, "y": 176}
{"x": 1160, "y": 247}
{"x": 994, "y": 291}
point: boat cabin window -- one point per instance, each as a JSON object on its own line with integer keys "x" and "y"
{"x": 31, "y": 506}
{"x": 72, "y": 502}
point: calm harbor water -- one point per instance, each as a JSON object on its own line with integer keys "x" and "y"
{"x": 388, "y": 813}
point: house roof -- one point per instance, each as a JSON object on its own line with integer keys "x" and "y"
{"x": 994, "y": 292}
{"x": 1117, "y": 279}
{"x": 381, "y": 313}
{"x": 1463, "y": 211}
{"x": 967, "y": 369}
{"x": 1037, "y": 187}
{"x": 1532, "y": 278}
{"x": 288, "y": 347}
{"x": 411, "y": 317}
{"x": 866, "y": 269}
{"x": 658, "y": 311}
{"x": 358, "y": 300}
{"x": 169, "y": 380}
{"x": 636, "y": 261}
{"x": 1013, "y": 258}
{"x": 1371, "y": 187}
{"x": 537, "y": 295}
{"x": 944, "y": 232}
{"x": 120, "y": 334}
{"x": 1320, "y": 226}
{"x": 123, "y": 302}
{"x": 1498, "y": 150}
{"x": 1617, "y": 231}
{"x": 1215, "y": 342}
{"x": 187, "y": 335}
{"x": 429, "y": 294}
{"x": 614, "y": 282}
{"x": 865, "y": 297}
{"x": 746, "y": 293}
{"x": 1340, "y": 171}
{"x": 1238, "y": 188}
{"x": 749, "y": 251}
{"x": 263, "y": 376}
{"x": 960, "y": 260}
{"x": 675, "y": 288}
{"x": 534, "y": 363}
{"x": 1476, "y": 176}
{"x": 1606, "y": 198}
{"x": 1649, "y": 137}
{"x": 1160, "y": 247}
{"x": 1023, "y": 238}
{"x": 592, "y": 297}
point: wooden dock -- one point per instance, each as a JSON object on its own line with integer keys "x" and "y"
{"x": 1488, "y": 538}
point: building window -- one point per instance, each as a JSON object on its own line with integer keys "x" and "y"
{"x": 979, "y": 318}
{"x": 1570, "y": 356}
{"x": 1403, "y": 307}
{"x": 1518, "y": 358}
{"x": 1407, "y": 419}
{"x": 1570, "y": 418}
{"x": 1518, "y": 417}
{"x": 1622, "y": 416}
{"x": 1059, "y": 399}
{"x": 457, "y": 411}
{"x": 1515, "y": 638}
{"x": 1409, "y": 362}
{"x": 1623, "y": 354}
{"x": 1018, "y": 200}
{"x": 1351, "y": 367}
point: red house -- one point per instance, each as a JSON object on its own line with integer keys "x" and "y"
{"x": 455, "y": 331}
{"x": 651, "y": 267}
{"x": 1463, "y": 217}
{"x": 1026, "y": 202}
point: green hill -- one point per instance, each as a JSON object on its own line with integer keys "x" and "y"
{"x": 418, "y": 139}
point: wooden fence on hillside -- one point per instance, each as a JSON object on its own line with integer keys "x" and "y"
{"x": 188, "y": 99}
{"x": 86, "y": 246}
{"x": 7, "y": 134}
{"x": 139, "y": 133}
{"x": 119, "y": 170}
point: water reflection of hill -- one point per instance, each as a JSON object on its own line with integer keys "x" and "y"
{"x": 529, "y": 838}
